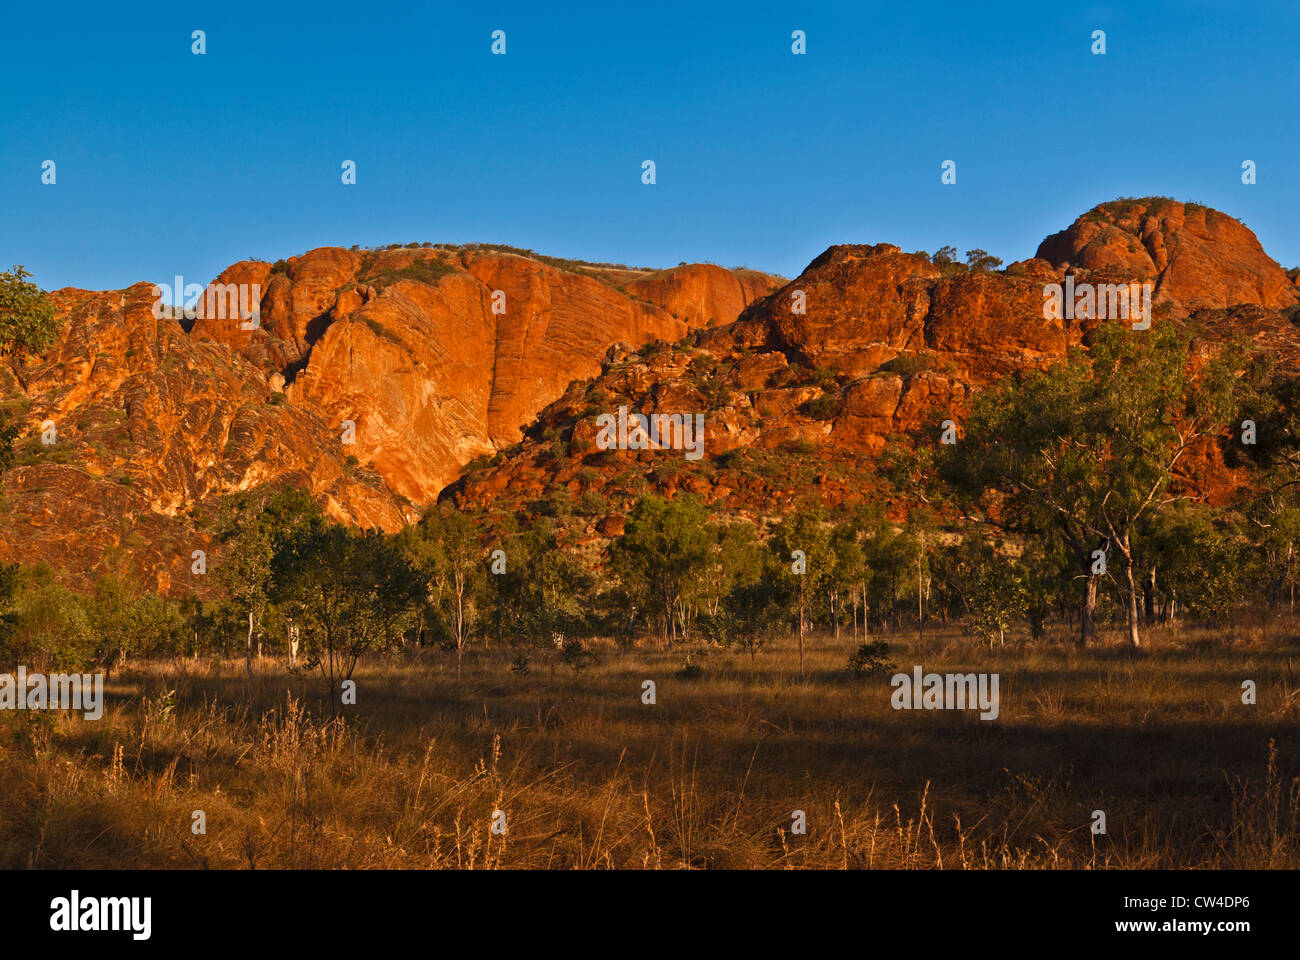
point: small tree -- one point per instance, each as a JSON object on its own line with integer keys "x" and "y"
{"x": 981, "y": 261}
{"x": 997, "y": 597}
{"x": 735, "y": 557}
{"x": 252, "y": 527}
{"x": 944, "y": 256}
{"x": 27, "y": 321}
{"x": 663, "y": 547}
{"x": 451, "y": 561}
{"x": 847, "y": 574}
{"x": 888, "y": 557}
{"x": 1270, "y": 400}
{"x": 802, "y": 547}
{"x": 45, "y": 624}
{"x": 750, "y": 615}
{"x": 1205, "y": 565}
{"x": 351, "y": 592}
{"x": 918, "y": 539}
{"x": 546, "y": 591}
{"x": 128, "y": 620}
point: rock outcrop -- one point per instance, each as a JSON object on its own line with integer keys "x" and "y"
{"x": 149, "y": 429}
{"x": 1197, "y": 257}
{"x": 869, "y": 347}
{"x": 434, "y": 356}
{"x": 437, "y": 356}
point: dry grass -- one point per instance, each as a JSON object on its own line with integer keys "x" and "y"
{"x": 589, "y": 777}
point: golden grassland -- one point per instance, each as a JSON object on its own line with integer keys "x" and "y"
{"x": 709, "y": 776}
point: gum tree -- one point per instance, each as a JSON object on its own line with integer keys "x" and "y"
{"x": 1269, "y": 441}
{"x": 663, "y": 547}
{"x": 802, "y": 545}
{"x": 252, "y": 527}
{"x": 352, "y": 592}
{"x": 751, "y": 613}
{"x": 1089, "y": 448}
{"x": 450, "y": 559}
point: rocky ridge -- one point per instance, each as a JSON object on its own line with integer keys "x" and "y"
{"x": 155, "y": 423}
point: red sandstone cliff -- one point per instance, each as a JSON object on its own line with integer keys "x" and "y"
{"x": 156, "y": 424}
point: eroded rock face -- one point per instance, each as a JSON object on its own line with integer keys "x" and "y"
{"x": 1198, "y": 258}
{"x": 703, "y": 294}
{"x": 438, "y": 356}
{"x": 886, "y": 347}
{"x": 885, "y": 344}
{"x": 156, "y": 424}
{"x": 412, "y": 369}
{"x": 152, "y": 428}
{"x": 864, "y": 305}
{"x": 435, "y": 374}
{"x": 852, "y": 298}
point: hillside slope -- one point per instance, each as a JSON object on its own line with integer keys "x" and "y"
{"x": 800, "y": 404}
{"x": 155, "y": 423}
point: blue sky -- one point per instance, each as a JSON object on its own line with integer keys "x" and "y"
{"x": 170, "y": 163}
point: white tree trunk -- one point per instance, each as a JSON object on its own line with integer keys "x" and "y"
{"x": 248, "y": 648}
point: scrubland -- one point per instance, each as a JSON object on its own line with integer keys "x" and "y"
{"x": 709, "y": 776}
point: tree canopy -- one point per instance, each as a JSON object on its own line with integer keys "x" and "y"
{"x": 27, "y": 320}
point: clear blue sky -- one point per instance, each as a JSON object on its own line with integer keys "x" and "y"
{"x": 170, "y": 163}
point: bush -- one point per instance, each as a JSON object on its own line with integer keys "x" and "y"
{"x": 665, "y": 470}
{"x": 871, "y": 660}
{"x": 824, "y": 377}
{"x": 422, "y": 271}
{"x": 591, "y": 504}
{"x": 558, "y": 503}
{"x": 27, "y": 319}
{"x": 690, "y": 669}
{"x": 49, "y": 627}
{"x": 824, "y": 407}
{"x": 908, "y": 363}
{"x": 577, "y": 657}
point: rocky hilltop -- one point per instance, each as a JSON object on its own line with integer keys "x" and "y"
{"x": 887, "y": 344}
{"x": 157, "y": 419}
{"x": 1197, "y": 257}
{"x": 438, "y": 356}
